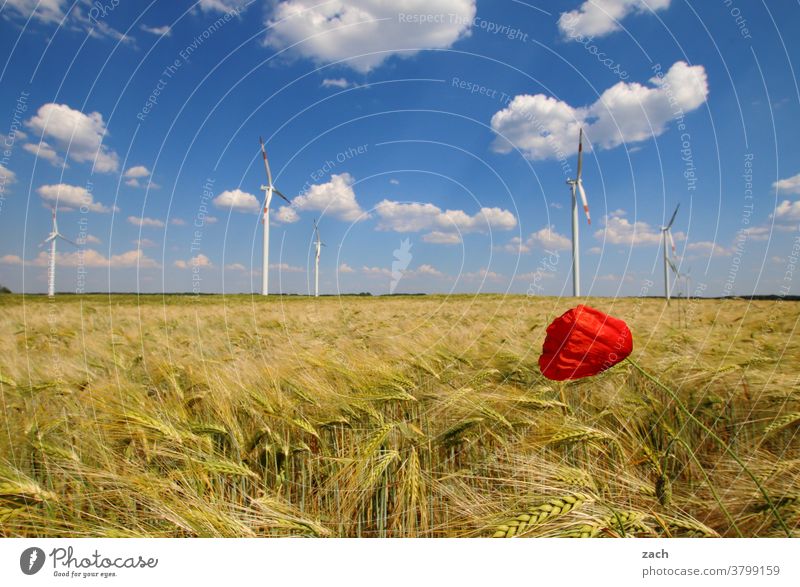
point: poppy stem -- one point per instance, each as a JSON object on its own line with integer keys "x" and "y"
{"x": 719, "y": 441}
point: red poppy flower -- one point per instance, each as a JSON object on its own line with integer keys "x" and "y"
{"x": 583, "y": 342}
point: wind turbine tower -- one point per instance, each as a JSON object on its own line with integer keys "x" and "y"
{"x": 576, "y": 187}
{"x": 269, "y": 190}
{"x": 666, "y": 235}
{"x": 51, "y": 264}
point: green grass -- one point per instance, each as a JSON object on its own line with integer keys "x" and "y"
{"x": 412, "y": 416}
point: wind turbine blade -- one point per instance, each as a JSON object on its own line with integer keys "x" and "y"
{"x": 266, "y": 164}
{"x": 671, "y": 220}
{"x": 671, "y": 241}
{"x": 275, "y": 191}
{"x": 49, "y": 238}
{"x": 580, "y": 154}
{"x": 63, "y": 238}
{"x": 672, "y": 266}
{"x": 584, "y": 201}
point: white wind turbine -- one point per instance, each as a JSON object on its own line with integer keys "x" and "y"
{"x": 269, "y": 190}
{"x": 576, "y": 187}
{"x": 666, "y": 235}
{"x": 51, "y": 265}
{"x": 319, "y": 245}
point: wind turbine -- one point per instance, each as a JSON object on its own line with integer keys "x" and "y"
{"x": 51, "y": 265}
{"x": 666, "y": 234}
{"x": 320, "y": 244}
{"x": 268, "y": 189}
{"x": 576, "y": 186}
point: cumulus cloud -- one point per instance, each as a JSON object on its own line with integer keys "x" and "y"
{"x": 7, "y": 177}
{"x": 11, "y": 260}
{"x": 235, "y": 267}
{"x": 482, "y": 274}
{"x": 71, "y": 197}
{"x": 376, "y": 271}
{"x": 415, "y": 216}
{"x": 160, "y": 31}
{"x": 43, "y": 10}
{"x": 92, "y": 258}
{"x": 438, "y": 237}
{"x": 331, "y": 31}
{"x": 44, "y": 151}
{"x": 223, "y": 5}
{"x": 790, "y": 185}
{"x": 787, "y": 212}
{"x": 79, "y": 135}
{"x": 544, "y": 238}
{"x": 144, "y": 221}
{"x": 627, "y": 112}
{"x": 136, "y": 173}
{"x": 345, "y": 268}
{"x": 619, "y": 230}
{"x": 237, "y": 200}
{"x": 602, "y": 17}
{"x": 287, "y": 215}
{"x": 707, "y": 248}
{"x": 286, "y": 268}
{"x": 197, "y": 261}
{"x": 335, "y": 198}
{"x": 338, "y": 82}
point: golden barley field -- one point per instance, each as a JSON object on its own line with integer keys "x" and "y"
{"x": 391, "y": 417}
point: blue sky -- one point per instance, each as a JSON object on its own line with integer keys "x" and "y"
{"x": 449, "y": 124}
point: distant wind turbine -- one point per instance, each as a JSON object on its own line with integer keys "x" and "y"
{"x": 666, "y": 235}
{"x": 319, "y": 244}
{"x": 51, "y": 265}
{"x": 576, "y": 187}
{"x": 268, "y": 189}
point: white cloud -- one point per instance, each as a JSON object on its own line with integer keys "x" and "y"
{"x": 286, "y": 268}
{"x": 237, "y": 200}
{"x": 338, "y": 82}
{"x": 92, "y": 258}
{"x": 757, "y": 233}
{"x": 787, "y": 211}
{"x": 415, "y": 216}
{"x": 376, "y": 271}
{"x": 438, "y": 237}
{"x": 627, "y": 112}
{"x": 224, "y": 5}
{"x": 137, "y": 172}
{"x": 544, "y": 238}
{"x": 595, "y": 251}
{"x": 601, "y": 17}
{"x": 336, "y": 198}
{"x": 43, "y": 10}
{"x": 144, "y": 243}
{"x": 89, "y": 239}
{"x": 394, "y": 181}
{"x": 144, "y": 221}
{"x": 79, "y": 135}
{"x": 165, "y": 30}
{"x": 11, "y": 260}
{"x": 427, "y": 270}
{"x": 790, "y": 185}
{"x": 287, "y": 215}
{"x": 708, "y": 248}
{"x": 482, "y": 275}
{"x": 332, "y": 31}
{"x": 197, "y": 261}
{"x": 44, "y": 151}
{"x": 7, "y": 177}
{"x": 71, "y": 197}
{"x": 345, "y": 268}
{"x": 620, "y": 231}
{"x": 177, "y": 222}
{"x": 236, "y": 267}
{"x": 210, "y": 220}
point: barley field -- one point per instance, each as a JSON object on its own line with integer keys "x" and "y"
{"x": 407, "y": 416}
